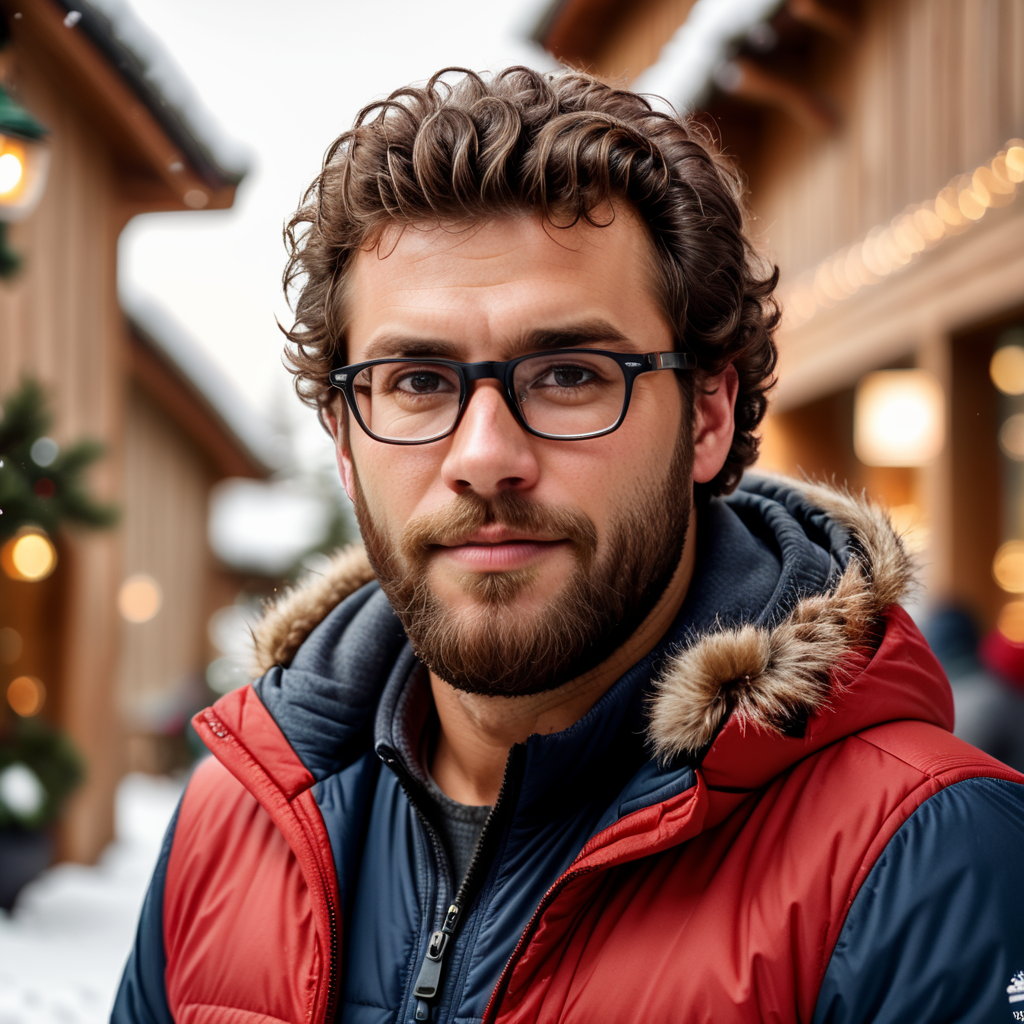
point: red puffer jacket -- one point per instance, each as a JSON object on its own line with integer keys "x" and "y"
{"x": 723, "y": 902}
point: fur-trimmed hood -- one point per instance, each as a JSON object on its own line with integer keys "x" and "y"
{"x": 785, "y": 678}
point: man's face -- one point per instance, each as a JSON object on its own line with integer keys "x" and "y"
{"x": 511, "y": 557}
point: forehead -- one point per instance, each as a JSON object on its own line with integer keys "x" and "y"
{"x": 485, "y": 284}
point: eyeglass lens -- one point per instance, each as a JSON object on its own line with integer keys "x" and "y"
{"x": 562, "y": 393}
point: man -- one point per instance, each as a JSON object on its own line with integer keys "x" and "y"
{"x": 578, "y": 738}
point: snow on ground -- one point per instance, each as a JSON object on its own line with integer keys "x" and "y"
{"x": 63, "y": 948}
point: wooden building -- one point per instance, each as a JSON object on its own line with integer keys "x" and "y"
{"x": 117, "y": 148}
{"x": 181, "y": 439}
{"x": 874, "y": 135}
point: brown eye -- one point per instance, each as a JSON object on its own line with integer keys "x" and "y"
{"x": 422, "y": 383}
{"x": 570, "y": 376}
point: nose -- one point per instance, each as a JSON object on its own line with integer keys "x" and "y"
{"x": 489, "y": 452}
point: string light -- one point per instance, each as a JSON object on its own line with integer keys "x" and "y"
{"x": 920, "y": 227}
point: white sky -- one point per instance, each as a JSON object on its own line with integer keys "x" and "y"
{"x": 283, "y": 80}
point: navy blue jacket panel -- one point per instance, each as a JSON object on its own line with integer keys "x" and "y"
{"x": 936, "y": 932}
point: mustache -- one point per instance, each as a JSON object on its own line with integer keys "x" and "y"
{"x": 468, "y": 512}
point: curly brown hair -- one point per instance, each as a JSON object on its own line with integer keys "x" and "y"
{"x": 561, "y": 144}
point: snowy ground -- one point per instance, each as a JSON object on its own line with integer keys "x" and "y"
{"x": 64, "y": 946}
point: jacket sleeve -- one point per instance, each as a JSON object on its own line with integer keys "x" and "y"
{"x": 936, "y": 933}
{"x": 142, "y": 997}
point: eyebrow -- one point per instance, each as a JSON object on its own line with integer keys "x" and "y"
{"x": 541, "y": 339}
{"x": 400, "y": 346}
{"x": 586, "y": 332}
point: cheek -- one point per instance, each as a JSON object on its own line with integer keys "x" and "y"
{"x": 603, "y": 478}
{"x": 608, "y": 473}
{"x": 396, "y": 481}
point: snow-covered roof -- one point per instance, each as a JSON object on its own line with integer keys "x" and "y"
{"x": 685, "y": 70}
{"x": 172, "y": 341}
{"x": 153, "y": 75}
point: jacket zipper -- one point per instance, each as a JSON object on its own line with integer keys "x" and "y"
{"x": 548, "y": 898}
{"x": 332, "y": 974}
{"x": 545, "y": 902}
{"x": 428, "y": 980}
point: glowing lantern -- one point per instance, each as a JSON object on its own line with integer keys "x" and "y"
{"x": 24, "y": 161}
{"x": 899, "y": 418}
{"x": 29, "y": 555}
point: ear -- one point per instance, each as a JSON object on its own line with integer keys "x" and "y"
{"x": 339, "y": 433}
{"x": 714, "y": 405}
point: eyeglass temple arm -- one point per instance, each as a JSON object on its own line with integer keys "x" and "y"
{"x": 672, "y": 361}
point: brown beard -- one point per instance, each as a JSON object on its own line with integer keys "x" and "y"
{"x": 497, "y": 651}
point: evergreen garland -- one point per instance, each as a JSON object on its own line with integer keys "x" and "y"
{"x": 33, "y": 494}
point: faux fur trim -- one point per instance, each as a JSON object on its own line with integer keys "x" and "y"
{"x": 295, "y": 614}
{"x": 772, "y": 678}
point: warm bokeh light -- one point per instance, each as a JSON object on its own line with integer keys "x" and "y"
{"x": 857, "y": 269}
{"x": 802, "y": 303}
{"x": 1011, "y": 437}
{"x": 1008, "y": 567}
{"x": 929, "y": 223}
{"x": 29, "y": 556}
{"x": 1014, "y": 160}
{"x": 139, "y": 598}
{"x": 948, "y": 208}
{"x": 1011, "y": 621}
{"x": 12, "y": 169}
{"x": 1007, "y": 369}
{"x": 998, "y": 191}
{"x": 972, "y": 206}
{"x": 11, "y": 172}
{"x": 906, "y": 235}
{"x": 899, "y": 418}
{"x": 26, "y": 696}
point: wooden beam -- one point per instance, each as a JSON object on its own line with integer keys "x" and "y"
{"x": 747, "y": 80}
{"x": 179, "y": 399}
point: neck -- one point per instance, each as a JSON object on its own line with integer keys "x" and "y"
{"x": 477, "y": 732}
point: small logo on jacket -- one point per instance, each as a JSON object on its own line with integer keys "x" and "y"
{"x": 1015, "y": 990}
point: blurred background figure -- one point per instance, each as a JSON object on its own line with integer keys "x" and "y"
{"x": 988, "y": 690}
{"x": 158, "y": 477}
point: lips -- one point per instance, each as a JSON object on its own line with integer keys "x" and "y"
{"x": 497, "y": 549}
{"x": 496, "y": 534}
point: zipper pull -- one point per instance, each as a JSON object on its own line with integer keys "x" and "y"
{"x": 428, "y": 982}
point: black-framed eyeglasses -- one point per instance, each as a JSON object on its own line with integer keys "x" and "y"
{"x": 565, "y": 394}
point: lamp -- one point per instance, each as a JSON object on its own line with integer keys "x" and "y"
{"x": 24, "y": 161}
{"x": 899, "y": 418}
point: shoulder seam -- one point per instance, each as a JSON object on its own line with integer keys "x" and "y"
{"x": 896, "y": 757}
